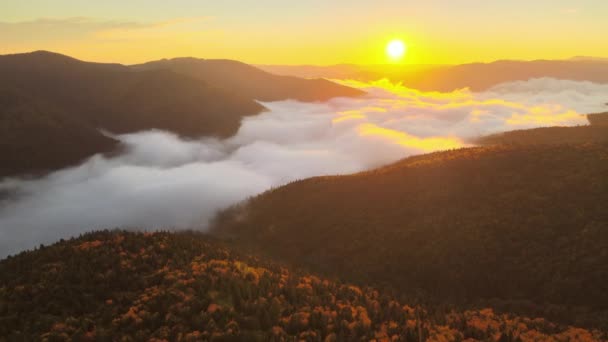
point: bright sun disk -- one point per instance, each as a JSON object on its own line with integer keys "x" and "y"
{"x": 395, "y": 49}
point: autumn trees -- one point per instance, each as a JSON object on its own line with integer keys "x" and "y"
{"x": 109, "y": 286}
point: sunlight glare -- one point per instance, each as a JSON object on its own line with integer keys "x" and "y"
{"x": 396, "y": 49}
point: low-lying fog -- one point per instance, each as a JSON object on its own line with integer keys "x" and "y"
{"x": 163, "y": 181}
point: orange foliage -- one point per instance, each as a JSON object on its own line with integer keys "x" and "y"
{"x": 85, "y": 246}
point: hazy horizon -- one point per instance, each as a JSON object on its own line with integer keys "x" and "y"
{"x": 371, "y": 65}
{"x": 317, "y": 32}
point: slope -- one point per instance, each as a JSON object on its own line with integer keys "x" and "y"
{"x": 482, "y": 76}
{"x": 252, "y": 82}
{"x": 37, "y": 137}
{"x": 476, "y": 76}
{"x": 525, "y": 226}
{"x": 107, "y": 286}
{"x": 595, "y": 132}
{"x": 91, "y": 96}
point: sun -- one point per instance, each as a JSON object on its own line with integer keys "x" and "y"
{"x": 396, "y": 49}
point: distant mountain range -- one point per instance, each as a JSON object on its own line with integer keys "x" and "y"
{"x": 252, "y": 82}
{"x": 52, "y": 106}
{"x": 596, "y": 132}
{"x": 476, "y": 76}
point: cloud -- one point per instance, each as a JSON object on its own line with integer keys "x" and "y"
{"x": 56, "y": 33}
{"x": 58, "y": 29}
{"x": 173, "y": 28}
{"x": 162, "y": 181}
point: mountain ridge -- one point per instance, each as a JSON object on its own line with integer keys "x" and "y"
{"x": 185, "y": 286}
{"x": 464, "y": 225}
{"x": 251, "y": 81}
{"x": 478, "y": 76}
{"x": 119, "y": 99}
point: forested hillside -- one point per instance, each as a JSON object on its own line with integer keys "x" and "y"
{"x": 109, "y": 286}
{"x": 595, "y": 132}
{"x": 475, "y": 76}
{"x": 598, "y": 119}
{"x": 522, "y": 227}
{"x": 37, "y": 136}
{"x": 115, "y": 98}
{"x": 483, "y": 76}
{"x": 252, "y": 82}
{"x": 53, "y": 106}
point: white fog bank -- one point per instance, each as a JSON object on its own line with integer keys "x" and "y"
{"x": 162, "y": 181}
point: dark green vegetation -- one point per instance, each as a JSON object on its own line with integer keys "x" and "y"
{"x": 599, "y": 119}
{"x": 70, "y": 100}
{"x": 524, "y": 228}
{"x": 52, "y": 106}
{"x": 110, "y": 286}
{"x": 37, "y": 136}
{"x": 252, "y": 82}
{"x": 596, "y": 132}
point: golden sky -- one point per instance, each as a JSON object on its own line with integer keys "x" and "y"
{"x": 306, "y": 32}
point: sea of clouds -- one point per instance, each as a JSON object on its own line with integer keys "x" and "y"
{"x": 163, "y": 181}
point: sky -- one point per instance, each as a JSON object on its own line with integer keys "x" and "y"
{"x": 306, "y": 32}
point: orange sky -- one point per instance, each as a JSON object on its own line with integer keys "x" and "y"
{"x": 311, "y": 32}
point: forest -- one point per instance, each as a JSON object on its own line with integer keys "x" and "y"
{"x": 41, "y": 116}
{"x": 163, "y": 286}
{"x": 522, "y": 228}
{"x": 596, "y": 131}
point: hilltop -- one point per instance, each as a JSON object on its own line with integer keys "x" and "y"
{"x": 253, "y": 82}
{"x": 52, "y": 107}
{"x": 475, "y": 76}
{"x": 595, "y": 132}
{"x": 522, "y": 227}
{"x": 187, "y": 287}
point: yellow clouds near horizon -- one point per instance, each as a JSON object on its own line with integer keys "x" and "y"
{"x": 430, "y": 121}
{"x": 410, "y": 141}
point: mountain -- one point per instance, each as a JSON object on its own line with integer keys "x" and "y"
{"x": 476, "y": 76}
{"x": 107, "y": 286}
{"x": 482, "y": 76}
{"x": 116, "y": 98}
{"x": 53, "y": 107}
{"x": 589, "y": 58}
{"x": 371, "y": 72}
{"x": 596, "y": 132}
{"x": 598, "y": 119}
{"x": 37, "y": 136}
{"x": 521, "y": 227}
{"x": 252, "y": 82}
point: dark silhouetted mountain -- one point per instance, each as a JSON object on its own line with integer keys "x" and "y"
{"x": 116, "y": 98}
{"x": 482, "y": 76}
{"x": 47, "y": 96}
{"x": 252, "y": 82}
{"x": 108, "y": 286}
{"x": 189, "y": 97}
{"x": 476, "y": 76}
{"x": 598, "y": 119}
{"x": 36, "y": 136}
{"x": 525, "y": 226}
{"x": 596, "y": 132}
{"x": 349, "y": 71}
